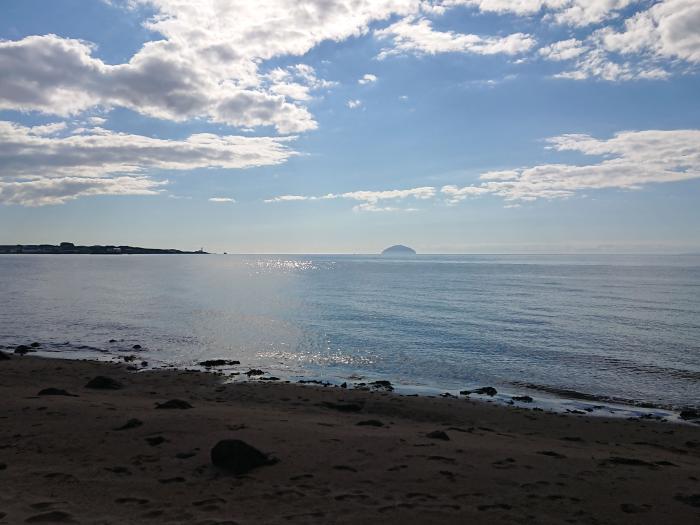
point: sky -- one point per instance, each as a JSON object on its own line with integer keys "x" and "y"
{"x": 345, "y": 126}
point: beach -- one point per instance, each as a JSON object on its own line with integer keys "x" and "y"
{"x": 119, "y": 454}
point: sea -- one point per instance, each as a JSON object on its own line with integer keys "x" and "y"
{"x": 585, "y": 329}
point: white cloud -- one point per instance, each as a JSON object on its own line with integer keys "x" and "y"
{"x": 97, "y": 161}
{"x": 367, "y": 78}
{"x": 41, "y": 191}
{"x": 353, "y": 103}
{"x": 222, "y": 199}
{"x": 563, "y": 50}
{"x": 668, "y": 29}
{"x": 417, "y": 36}
{"x": 207, "y": 66}
{"x": 630, "y": 160}
{"x": 569, "y": 12}
{"x": 369, "y": 200}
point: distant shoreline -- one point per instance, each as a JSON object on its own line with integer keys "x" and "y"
{"x": 68, "y": 248}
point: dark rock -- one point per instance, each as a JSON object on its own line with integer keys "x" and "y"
{"x": 136, "y": 347}
{"x": 386, "y": 385}
{"x": 687, "y": 414}
{"x": 552, "y": 454}
{"x": 219, "y": 362}
{"x": 343, "y": 407}
{"x": 23, "y": 349}
{"x": 129, "y": 358}
{"x": 104, "y": 383}
{"x": 132, "y": 423}
{"x": 370, "y": 423}
{"x": 238, "y": 457}
{"x": 144, "y": 363}
{"x": 55, "y": 392}
{"x": 486, "y": 390}
{"x": 112, "y": 340}
{"x": 156, "y": 440}
{"x": 254, "y": 372}
{"x": 174, "y": 403}
{"x": 313, "y": 382}
{"x": 55, "y": 516}
{"x": 4, "y": 356}
{"x": 632, "y": 462}
{"x": 344, "y": 385}
{"x": 438, "y": 434}
{"x": 35, "y": 345}
{"x": 691, "y": 499}
{"x": 523, "y": 399}
{"x": 132, "y": 368}
{"x": 271, "y": 378}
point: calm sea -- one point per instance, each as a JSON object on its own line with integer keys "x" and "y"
{"x": 621, "y": 326}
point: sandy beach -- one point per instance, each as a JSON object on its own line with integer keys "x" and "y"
{"x": 103, "y": 455}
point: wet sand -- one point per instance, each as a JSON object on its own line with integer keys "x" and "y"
{"x": 74, "y": 459}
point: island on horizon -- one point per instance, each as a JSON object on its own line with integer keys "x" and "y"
{"x": 70, "y": 248}
{"x": 399, "y": 250}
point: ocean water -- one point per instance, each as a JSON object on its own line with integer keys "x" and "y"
{"x": 623, "y": 327}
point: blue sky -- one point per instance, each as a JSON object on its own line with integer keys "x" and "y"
{"x": 452, "y": 126}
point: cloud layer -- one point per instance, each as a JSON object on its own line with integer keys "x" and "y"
{"x": 630, "y": 160}
{"x": 40, "y": 167}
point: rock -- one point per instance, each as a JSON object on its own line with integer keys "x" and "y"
{"x": 144, "y": 363}
{"x": 23, "y": 349}
{"x": 486, "y": 390}
{"x": 136, "y": 347}
{"x": 55, "y": 392}
{"x": 343, "y": 407}
{"x": 386, "y": 385}
{"x": 129, "y": 358}
{"x": 370, "y": 423}
{"x": 4, "y": 356}
{"x": 254, "y": 372}
{"x": 35, "y": 345}
{"x": 112, "y": 340}
{"x": 132, "y": 423}
{"x": 689, "y": 499}
{"x": 271, "y": 378}
{"x": 104, "y": 383}
{"x": 438, "y": 434}
{"x": 219, "y": 362}
{"x": 174, "y": 403}
{"x": 238, "y": 457}
{"x": 523, "y": 399}
{"x": 55, "y": 516}
{"x": 344, "y": 385}
{"x": 690, "y": 414}
{"x": 156, "y": 440}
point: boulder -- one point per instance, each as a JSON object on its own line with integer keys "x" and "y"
{"x": 522, "y": 399}
{"x": 55, "y": 392}
{"x": 104, "y": 383}
{"x": 23, "y": 349}
{"x": 438, "y": 434}
{"x": 238, "y": 457}
{"x": 219, "y": 362}
{"x": 486, "y": 391}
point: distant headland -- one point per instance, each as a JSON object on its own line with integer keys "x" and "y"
{"x": 70, "y": 248}
{"x": 399, "y": 250}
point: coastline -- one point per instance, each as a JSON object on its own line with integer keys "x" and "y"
{"x": 64, "y": 455}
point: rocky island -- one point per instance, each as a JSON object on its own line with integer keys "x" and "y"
{"x": 399, "y": 250}
{"x": 70, "y": 248}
